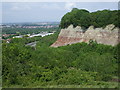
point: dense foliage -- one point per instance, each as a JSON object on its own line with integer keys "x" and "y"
{"x": 87, "y": 65}
{"x": 85, "y": 18}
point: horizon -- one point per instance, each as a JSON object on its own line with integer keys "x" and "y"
{"x": 31, "y": 22}
{"x": 47, "y": 11}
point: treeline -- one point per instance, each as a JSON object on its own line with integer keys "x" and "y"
{"x": 27, "y": 30}
{"x": 84, "y": 18}
{"x": 87, "y": 65}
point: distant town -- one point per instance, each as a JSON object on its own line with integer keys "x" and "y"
{"x": 27, "y": 26}
{"x": 30, "y": 25}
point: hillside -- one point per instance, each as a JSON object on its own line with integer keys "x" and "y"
{"x": 83, "y": 26}
{"x": 74, "y": 66}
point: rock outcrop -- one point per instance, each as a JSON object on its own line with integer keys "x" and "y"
{"x": 108, "y": 35}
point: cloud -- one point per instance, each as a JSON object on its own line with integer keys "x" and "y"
{"x": 70, "y": 5}
{"x": 51, "y": 6}
{"x": 19, "y": 7}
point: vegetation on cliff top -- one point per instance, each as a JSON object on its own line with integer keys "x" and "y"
{"x": 84, "y": 18}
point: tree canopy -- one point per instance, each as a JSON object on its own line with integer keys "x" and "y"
{"x": 77, "y": 64}
{"x": 84, "y": 18}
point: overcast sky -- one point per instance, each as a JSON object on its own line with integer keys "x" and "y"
{"x": 47, "y": 12}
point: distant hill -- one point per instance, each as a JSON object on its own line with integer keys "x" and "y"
{"x": 83, "y": 18}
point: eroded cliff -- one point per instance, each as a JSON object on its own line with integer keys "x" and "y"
{"x": 108, "y": 35}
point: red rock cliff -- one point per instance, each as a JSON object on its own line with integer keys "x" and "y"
{"x": 108, "y": 35}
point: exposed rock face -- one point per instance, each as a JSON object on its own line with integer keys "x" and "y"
{"x": 108, "y": 35}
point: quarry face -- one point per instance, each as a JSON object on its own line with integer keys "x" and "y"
{"x": 108, "y": 35}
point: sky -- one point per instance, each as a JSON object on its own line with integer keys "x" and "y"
{"x": 47, "y": 11}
